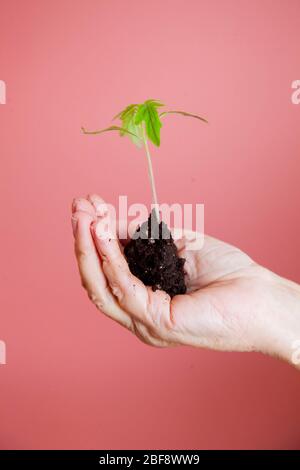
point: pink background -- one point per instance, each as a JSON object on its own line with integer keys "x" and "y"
{"x": 73, "y": 378}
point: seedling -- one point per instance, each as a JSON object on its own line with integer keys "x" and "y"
{"x": 142, "y": 122}
{"x": 154, "y": 260}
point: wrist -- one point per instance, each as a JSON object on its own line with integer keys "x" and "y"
{"x": 282, "y": 319}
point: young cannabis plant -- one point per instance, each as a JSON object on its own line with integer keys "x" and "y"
{"x": 142, "y": 122}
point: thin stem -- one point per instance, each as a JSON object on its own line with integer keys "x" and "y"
{"x": 151, "y": 176}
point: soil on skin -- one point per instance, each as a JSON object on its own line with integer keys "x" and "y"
{"x": 152, "y": 257}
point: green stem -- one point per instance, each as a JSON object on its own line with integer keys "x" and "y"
{"x": 151, "y": 176}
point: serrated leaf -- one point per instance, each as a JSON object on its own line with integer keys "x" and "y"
{"x": 125, "y": 123}
{"x": 136, "y": 134}
{"x": 125, "y": 111}
{"x": 111, "y": 128}
{"x": 140, "y": 114}
{"x": 153, "y": 124}
{"x": 183, "y": 113}
{"x": 129, "y": 112}
{"x": 155, "y": 102}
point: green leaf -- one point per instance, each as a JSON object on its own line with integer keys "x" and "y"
{"x": 125, "y": 123}
{"x": 140, "y": 114}
{"x": 147, "y": 113}
{"x": 155, "y": 102}
{"x": 153, "y": 124}
{"x": 183, "y": 113}
{"x": 111, "y": 128}
{"x": 125, "y": 111}
{"x": 134, "y": 115}
{"x": 136, "y": 134}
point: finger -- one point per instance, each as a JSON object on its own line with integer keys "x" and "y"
{"x": 99, "y": 204}
{"x": 124, "y": 232}
{"x": 132, "y": 295}
{"x": 86, "y": 254}
{"x": 82, "y": 204}
{"x": 130, "y": 291}
{"x": 93, "y": 278}
{"x": 101, "y": 209}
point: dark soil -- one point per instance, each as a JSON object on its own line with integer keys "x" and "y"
{"x": 152, "y": 257}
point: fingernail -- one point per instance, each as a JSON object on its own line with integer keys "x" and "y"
{"x": 77, "y": 205}
{"x": 74, "y": 222}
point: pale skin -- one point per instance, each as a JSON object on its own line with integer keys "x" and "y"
{"x": 232, "y": 303}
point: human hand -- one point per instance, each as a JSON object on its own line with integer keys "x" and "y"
{"x": 232, "y": 303}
